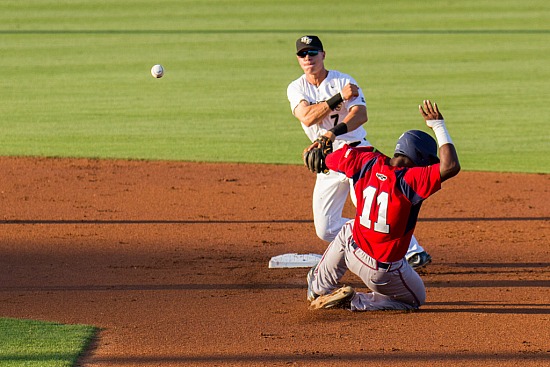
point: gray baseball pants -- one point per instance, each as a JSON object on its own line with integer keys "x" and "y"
{"x": 394, "y": 286}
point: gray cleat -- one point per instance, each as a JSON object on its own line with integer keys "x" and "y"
{"x": 419, "y": 260}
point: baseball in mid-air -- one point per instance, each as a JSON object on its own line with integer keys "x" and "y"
{"x": 157, "y": 71}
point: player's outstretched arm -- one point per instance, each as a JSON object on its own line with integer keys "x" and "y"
{"x": 449, "y": 164}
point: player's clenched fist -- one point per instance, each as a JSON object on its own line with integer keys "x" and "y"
{"x": 349, "y": 91}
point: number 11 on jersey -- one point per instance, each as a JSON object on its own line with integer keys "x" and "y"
{"x": 382, "y": 204}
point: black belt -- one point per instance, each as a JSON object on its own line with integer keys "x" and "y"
{"x": 384, "y": 266}
{"x": 356, "y": 143}
{"x": 380, "y": 264}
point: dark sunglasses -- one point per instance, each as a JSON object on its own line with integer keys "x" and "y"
{"x": 303, "y": 54}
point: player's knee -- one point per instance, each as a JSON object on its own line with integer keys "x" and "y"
{"x": 325, "y": 233}
{"x": 328, "y": 229}
{"x": 421, "y": 297}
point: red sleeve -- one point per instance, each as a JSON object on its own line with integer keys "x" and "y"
{"x": 349, "y": 160}
{"x": 425, "y": 181}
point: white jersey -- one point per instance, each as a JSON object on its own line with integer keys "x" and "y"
{"x": 301, "y": 90}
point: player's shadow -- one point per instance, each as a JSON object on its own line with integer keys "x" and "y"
{"x": 485, "y": 307}
{"x": 497, "y": 283}
{"x": 492, "y": 269}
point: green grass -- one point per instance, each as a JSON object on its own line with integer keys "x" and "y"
{"x": 76, "y": 76}
{"x": 41, "y": 344}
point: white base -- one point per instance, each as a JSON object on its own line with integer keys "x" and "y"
{"x": 294, "y": 260}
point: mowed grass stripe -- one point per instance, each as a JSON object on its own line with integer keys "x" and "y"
{"x": 79, "y": 85}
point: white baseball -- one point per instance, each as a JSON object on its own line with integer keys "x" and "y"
{"x": 157, "y": 71}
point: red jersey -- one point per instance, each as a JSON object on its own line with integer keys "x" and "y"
{"x": 388, "y": 199}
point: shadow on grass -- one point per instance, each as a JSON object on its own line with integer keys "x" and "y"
{"x": 89, "y": 348}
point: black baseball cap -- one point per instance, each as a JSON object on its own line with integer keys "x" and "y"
{"x": 308, "y": 43}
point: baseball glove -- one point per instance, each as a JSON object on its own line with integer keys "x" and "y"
{"x": 314, "y": 158}
{"x": 325, "y": 144}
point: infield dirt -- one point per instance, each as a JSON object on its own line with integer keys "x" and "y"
{"x": 170, "y": 261}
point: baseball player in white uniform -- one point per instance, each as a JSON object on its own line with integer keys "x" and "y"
{"x": 322, "y": 99}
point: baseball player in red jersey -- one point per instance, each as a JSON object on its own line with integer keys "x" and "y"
{"x": 321, "y": 99}
{"x": 389, "y": 194}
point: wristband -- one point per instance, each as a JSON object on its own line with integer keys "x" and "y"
{"x": 440, "y": 130}
{"x": 339, "y": 129}
{"x": 334, "y": 101}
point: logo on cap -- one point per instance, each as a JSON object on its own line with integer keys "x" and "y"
{"x": 305, "y": 39}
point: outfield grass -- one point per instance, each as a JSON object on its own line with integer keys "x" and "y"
{"x": 41, "y": 344}
{"x": 77, "y": 83}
